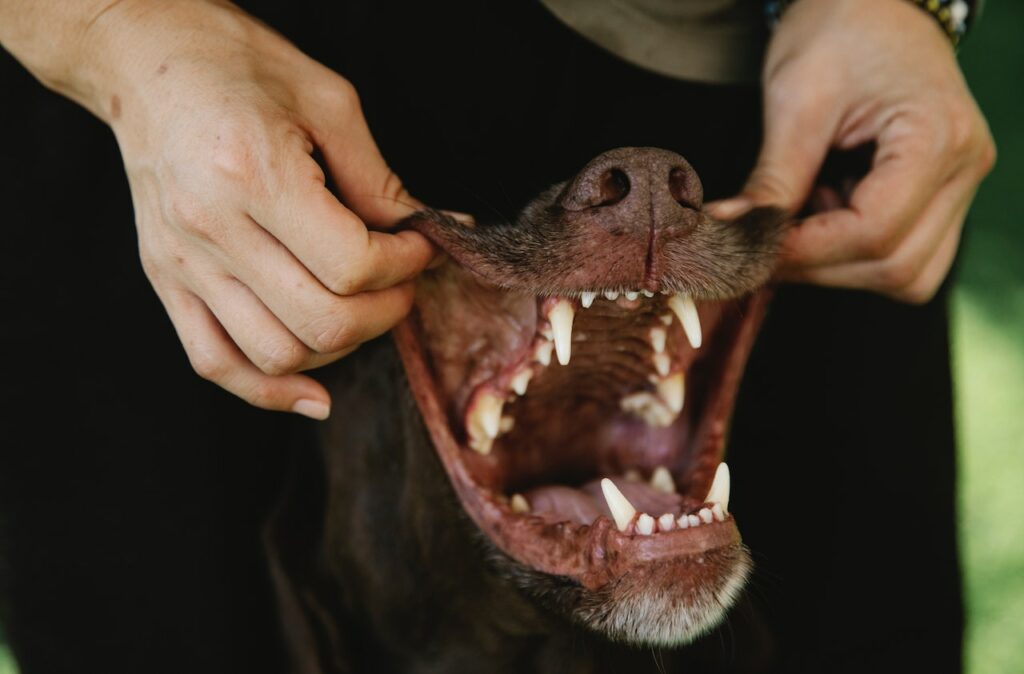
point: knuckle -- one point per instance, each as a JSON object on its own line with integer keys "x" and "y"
{"x": 263, "y": 394}
{"x": 962, "y": 133}
{"x": 188, "y": 212}
{"x": 346, "y": 282}
{"x": 282, "y": 357}
{"x": 232, "y": 157}
{"x": 207, "y": 364}
{"x": 878, "y": 244}
{"x": 334, "y": 336}
{"x": 895, "y": 277}
{"x": 989, "y": 154}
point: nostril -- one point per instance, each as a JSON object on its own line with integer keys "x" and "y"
{"x": 683, "y": 191}
{"x": 614, "y": 186}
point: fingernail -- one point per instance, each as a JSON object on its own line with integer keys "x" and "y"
{"x": 728, "y": 208}
{"x": 314, "y": 409}
{"x": 464, "y": 218}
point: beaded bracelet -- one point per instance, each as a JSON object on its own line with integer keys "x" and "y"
{"x": 955, "y": 16}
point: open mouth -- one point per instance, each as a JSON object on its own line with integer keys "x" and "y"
{"x": 583, "y": 428}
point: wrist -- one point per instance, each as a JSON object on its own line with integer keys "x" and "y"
{"x": 954, "y": 17}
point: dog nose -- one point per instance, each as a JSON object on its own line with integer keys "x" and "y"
{"x": 635, "y": 183}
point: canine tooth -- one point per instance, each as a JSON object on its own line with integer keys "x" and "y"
{"x": 611, "y": 295}
{"x": 519, "y": 504}
{"x": 717, "y": 511}
{"x": 662, "y": 363}
{"x": 693, "y": 520}
{"x": 631, "y": 294}
{"x": 683, "y": 307}
{"x": 521, "y": 379}
{"x": 645, "y": 524}
{"x": 647, "y": 293}
{"x": 484, "y": 421}
{"x": 561, "y": 325}
{"x": 666, "y": 522}
{"x": 622, "y": 510}
{"x": 658, "y": 337}
{"x": 506, "y": 424}
{"x": 661, "y": 480}
{"x": 672, "y": 391}
{"x": 719, "y": 492}
{"x": 705, "y": 515}
{"x": 587, "y": 298}
{"x": 542, "y": 352}
{"x": 683, "y": 522}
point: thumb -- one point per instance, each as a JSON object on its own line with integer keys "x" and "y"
{"x": 797, "y": 136}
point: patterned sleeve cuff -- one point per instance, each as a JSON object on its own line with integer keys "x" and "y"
{"x": 955, "y": 16}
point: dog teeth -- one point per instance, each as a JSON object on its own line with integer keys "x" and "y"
{"x": 645, "y": 524}
{"x": 683, "y": 307}
{"x": 659, "y": 336}
{"x": 484, "y": 422}
{"x": 672, "y": 391}
{"x": 717, "y": 511}
{"x": 705, "y": 515}
{"x": 666, "y": 522}
{"x": 587, "y": 298}
{"x": 719, "y": 492}
{"x": 519, "y": 504}
{"x": 693, "y": 520}
{"x": 521, "y": 379}
{"x": 622, "y": 510}
{"x": 631, "y": 295}
{"x": 666, "y": 319}
{"x": 611, "y": 295}
{"x": 542, "y": 352}
{"x": 647, "y": 293}
{"x": 662, "y": 363}
{"x": 683, "y": 522}
{"x": 649, "y": 407}
{"x": 661, "y": 480}
{"x": 561, "y": 316}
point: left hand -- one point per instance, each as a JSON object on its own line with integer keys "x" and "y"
{"x": 838, "y": 74}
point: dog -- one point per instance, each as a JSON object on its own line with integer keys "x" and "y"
{"x": 528, "y": 474}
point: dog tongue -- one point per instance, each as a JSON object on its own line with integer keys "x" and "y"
{"x": 558, "y": 503}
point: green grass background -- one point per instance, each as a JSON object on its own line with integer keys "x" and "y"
{"x": 988, "y": 323}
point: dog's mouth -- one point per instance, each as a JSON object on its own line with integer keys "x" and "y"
{"x": 583, "y": 428}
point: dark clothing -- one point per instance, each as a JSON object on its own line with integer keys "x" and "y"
{"x": 132, "y": 493}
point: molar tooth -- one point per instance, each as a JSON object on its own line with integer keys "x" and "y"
{"x": 506, "y": 425}
{"x": 561, "y": 316}
{"x": 519, "y": 504}
{"x": 631, "y": 294}
{"x": 719, "y": 492}
{"x": 683, "y": 522}
{"x": 666, "y": 319}
{"x": 522, "y": 378}
{"x": 632, "y": 475}
{"x": 686, "y": 310}
{"x": 658, "y": 337}
{"x": 717, "y": 511}
{"x": 662, "y": 363}
{"x": 645, "y": 524}
{"x": 611, "y": 295}
{"x": 693, "y": 520}
{"x": 661, "y": 480}
{"x": 622, "y": 510}
{"x": 666, "y": 522}
{"x": 542, "y": 352}
{"x": 484, "y": 422}
{"x": 705, "y": 515}
{"x": 672, "y": 391}
{"x": 648, "y": 407}
{"x": 587, "y": 298}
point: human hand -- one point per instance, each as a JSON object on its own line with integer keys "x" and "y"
{"x": 841, "y": 73}
{"x": 263, "y": 272}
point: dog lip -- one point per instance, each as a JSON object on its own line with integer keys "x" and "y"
{"x": 595, "y": 554}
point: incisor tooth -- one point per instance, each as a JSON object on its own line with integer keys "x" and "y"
{"x": 645, "y": 524}
{"x": 519, "y": 504}
{"x": 719, "y": 492}
{"x": 717, "y": 511}
{"x": 658, "y": 337}
{"x": 683, "y": 522}
{"x": 662, "y": 363}
{"x": 587, "y": 298}
{"x": 672, "y": 391}
{"x": 542, "y": 352}
{"x": 647, "y": 293}
{"x": 661, "y": 480}
{"x": 622, "y": 510}
{"x": 561, "y": 325}
{"x": 683, "y": 307}
{"x": 693, "y": 520}
{"x": 631, "y": 295}
{"x": 666, "y": 522}
{"x": 521, "y": 379}
{"x": 611, "y": 295}
{"x": 705, "y": 515}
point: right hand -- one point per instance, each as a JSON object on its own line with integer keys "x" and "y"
{"x": 263, "y": 272}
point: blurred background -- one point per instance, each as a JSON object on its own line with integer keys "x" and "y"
{"x": 988, "y": 367}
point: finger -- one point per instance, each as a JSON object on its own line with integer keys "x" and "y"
{"x": 895, "y": 274}
{"x": 927, "y": 284}
{"x": 330, "y": 240}
{"x": 883, "y": 206}
{"x": 216, "y": 358}
{"x": 261, "y": 336}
